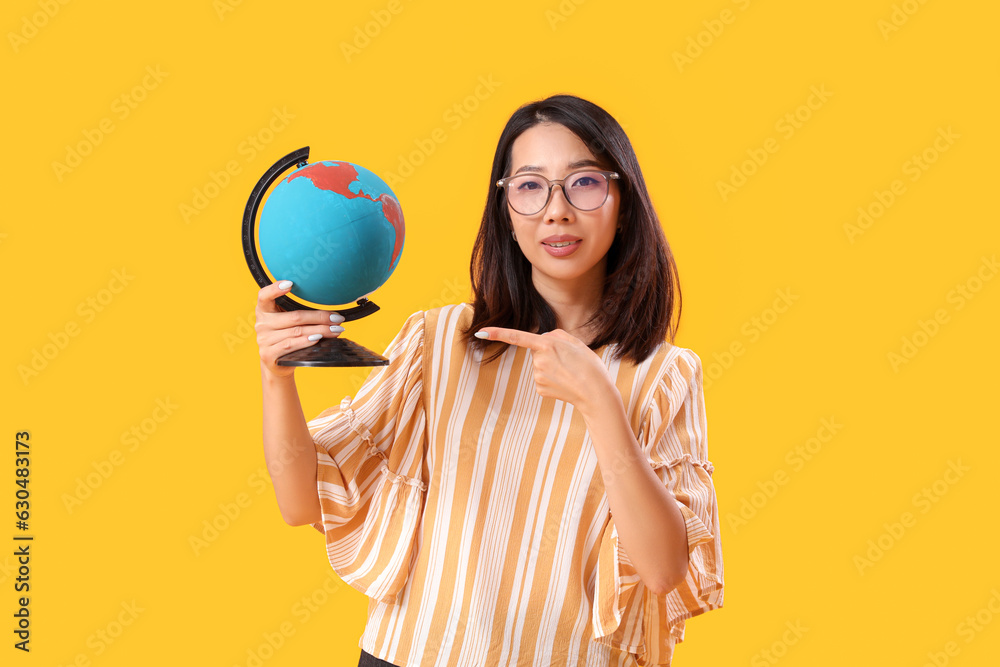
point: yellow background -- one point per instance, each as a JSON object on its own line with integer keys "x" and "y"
{"x": 175, "y": 329}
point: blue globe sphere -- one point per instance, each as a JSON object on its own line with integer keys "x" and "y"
{"x": 333, "y": 228}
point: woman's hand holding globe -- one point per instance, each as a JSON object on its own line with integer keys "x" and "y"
{"x": 280, "y": 332}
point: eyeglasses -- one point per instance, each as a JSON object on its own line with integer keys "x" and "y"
{"x": 585, "y": 190}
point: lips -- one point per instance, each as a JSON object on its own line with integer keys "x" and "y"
{"x": 561, "y": 245}
{"x": 561, "y": 240}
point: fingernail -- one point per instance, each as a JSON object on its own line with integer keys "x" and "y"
{"x": 336, "y": 318}
{"x": 337, "y": 329}
{"x": 315, "y": 336}
{"x": 284, "y": 284}
{"x": 482, "y": 334}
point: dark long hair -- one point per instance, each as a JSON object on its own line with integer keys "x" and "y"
{"x": 637, "y": 305}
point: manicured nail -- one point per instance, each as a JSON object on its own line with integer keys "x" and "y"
{"x": 337, "y": 329}
{"x": 336, "y": 318}
{"x": 315, "y": 336}
{"x": 284, "y": 284}
{"x": 482, "y": 334}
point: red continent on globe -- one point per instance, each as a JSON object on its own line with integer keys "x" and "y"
{"x": 337, "y": 177}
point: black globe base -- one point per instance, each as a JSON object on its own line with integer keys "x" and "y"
{"x": 333, "y": 352}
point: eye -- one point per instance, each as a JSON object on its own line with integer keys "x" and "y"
{"x": 527, "y": 185}
{"x": 585, "y": 181}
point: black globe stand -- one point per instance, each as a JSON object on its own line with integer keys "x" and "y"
{"x": 326, "y": 351}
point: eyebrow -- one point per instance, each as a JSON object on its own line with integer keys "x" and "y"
{"x": 572, "y": 165}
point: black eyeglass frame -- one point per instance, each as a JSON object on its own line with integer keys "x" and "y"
{"x": 608, "y": 176}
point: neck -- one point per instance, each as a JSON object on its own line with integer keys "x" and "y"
{"x": 573, "y": 302}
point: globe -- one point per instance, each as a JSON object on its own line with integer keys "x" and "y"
{"x": 334, "y": 229}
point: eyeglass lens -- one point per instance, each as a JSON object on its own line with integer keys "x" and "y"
{"x": 529, "y": 193}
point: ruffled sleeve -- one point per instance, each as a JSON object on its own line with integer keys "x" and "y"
{"x": 674, "y": 438}
{"x": 370, "y": 455}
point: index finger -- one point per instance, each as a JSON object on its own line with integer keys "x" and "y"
{"x": 511, "y": 336}
{"x": 267, "y": 295}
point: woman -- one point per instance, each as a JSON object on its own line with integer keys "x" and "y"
{"x": 527, "y": 481}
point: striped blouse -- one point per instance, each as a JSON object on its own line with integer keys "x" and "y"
{"x": 472, "y": 512}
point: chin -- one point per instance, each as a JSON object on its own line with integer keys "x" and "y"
{"x": 562, "y": 270}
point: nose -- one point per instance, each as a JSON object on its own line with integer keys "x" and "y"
{"x": 558, "y": 207}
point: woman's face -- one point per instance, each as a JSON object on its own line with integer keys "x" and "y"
{"x": 553, "y": 151}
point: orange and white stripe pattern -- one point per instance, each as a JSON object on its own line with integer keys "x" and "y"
{"x": 473, "y": 514}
